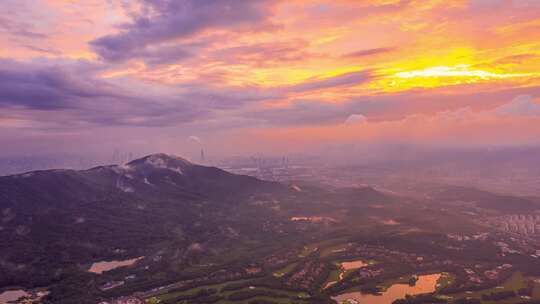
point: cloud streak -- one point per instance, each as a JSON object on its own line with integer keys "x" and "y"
{"x": 342, "y": 80}
{"x": 368, "y": 52}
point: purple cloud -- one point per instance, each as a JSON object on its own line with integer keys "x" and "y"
{"x": 347, "y": 79}
{"x": 368, "y": 52}
{"x": 44, "y": 50}
{"x": 19, "y": 29}
{"x": 389, "y": 107}
{"x": 522, "y": 105}
{"x": 46, "y": 87}
{"x": 310, "y": 112}
{"x": 265, "y": 54}
{"x": 162, "y": 21}
{"x": 355, "y": 119}
{"x": 74, "y": 90}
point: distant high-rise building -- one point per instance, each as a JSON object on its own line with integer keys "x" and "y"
{"x": 202, "y": 156}
{"x": 115, "y": 156}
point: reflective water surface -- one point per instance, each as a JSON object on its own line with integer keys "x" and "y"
{"x": 425, "y": 284}
{"x": 12, "y": 295}
{"x": 100, "y": 267}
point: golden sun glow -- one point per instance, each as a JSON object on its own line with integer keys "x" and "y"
{"x": 462, "y": 70}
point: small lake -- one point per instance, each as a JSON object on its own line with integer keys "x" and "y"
{"x": 425, "y": 284}
{"x": 12, "y": 295}
{"x": 101, "y": 267}
{"x": 353, "y": 264}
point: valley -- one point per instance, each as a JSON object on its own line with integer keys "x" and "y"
{"x": 163, "y": 230}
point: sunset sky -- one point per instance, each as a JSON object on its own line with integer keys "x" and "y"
{"x": 240, "y": 77}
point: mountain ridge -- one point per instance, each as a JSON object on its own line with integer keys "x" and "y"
{"x": 55, "y": 223}
{"x": 163, "y": 156}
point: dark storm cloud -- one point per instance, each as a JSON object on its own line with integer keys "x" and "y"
{"x": 161, "y": 21}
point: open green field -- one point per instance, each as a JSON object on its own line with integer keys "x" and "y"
{"x": 283, "y": 296}
{"x": 195, "y": 290}
{"x": 273, "y": 300}
{"x": 308, "y": 250}
{"x": 283, "y": 271}
{"x": 334, "y": 249}
{"x": 325, "y": 248}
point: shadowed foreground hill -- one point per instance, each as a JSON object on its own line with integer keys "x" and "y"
{"x": 53, "y": 217}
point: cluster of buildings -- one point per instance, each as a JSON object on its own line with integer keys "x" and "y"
{"x": 525, "y": 224}
{"x": 478, "y": 277}
{"x": 368, "y": 273}
{"x": 476, "y": 274}
{"x": 506, "y": 249}
{"x": 280, "y": 259}
{"x": 473, "y": 276}
{"x": 381, "y": 253}
{"x": 463, "y": 237}
{"x": 306, "y": 275}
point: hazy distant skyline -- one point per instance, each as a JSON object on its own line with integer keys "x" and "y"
{"x": 272, "y": 77}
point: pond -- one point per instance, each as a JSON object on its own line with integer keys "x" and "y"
{"x": 12, "y": 295}
{"x": 344, "y": 266}
{"x": 425, "y": 284}
{"x": 101, "y": 267}
{"x": 353, "y": 264}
